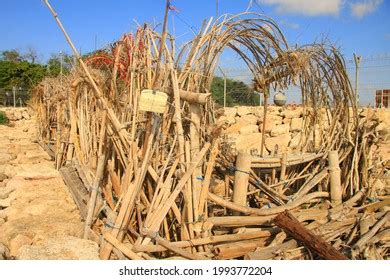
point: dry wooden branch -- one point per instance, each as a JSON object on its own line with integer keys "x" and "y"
{"x": 293, "y": 227}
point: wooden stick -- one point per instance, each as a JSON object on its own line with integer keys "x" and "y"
{"x": 171, "y": 247}
{"x": 206, "y": 240}
{"x": 366, "y": 237}
{"x": 159, "y": 217}
{"x": 266, "y": 212}
{"x": 94, "y": 192}
{"x": 283, "y": 163}
{"x": 293, "y": 227}
{"x": 241, "y": 179}
{"x": 128, "y": 252}
{"x": 207, "y": 177}
{"x": 336, "y": 190}
{"x": 131, "y": 194}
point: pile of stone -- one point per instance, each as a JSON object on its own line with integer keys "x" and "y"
{"x": 244, "y": 125}
{"x": 16, "y": 114}
{"x": 284, "y": 127}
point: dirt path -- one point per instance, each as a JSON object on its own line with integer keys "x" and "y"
{"x": 38, "y": 217}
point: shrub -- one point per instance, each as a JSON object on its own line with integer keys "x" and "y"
{"x": 3, "y": 118}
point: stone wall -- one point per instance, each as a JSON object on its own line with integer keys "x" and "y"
{"x": 284, "y": 125}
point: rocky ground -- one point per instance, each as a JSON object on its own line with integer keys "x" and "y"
{"x": 38, "y": 217}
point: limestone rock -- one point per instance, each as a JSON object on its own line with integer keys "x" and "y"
{"x": 258, "y": 112}
{"x": 64, "y": 248}
{"x": 3, "y": 177}
{"x": 17, "y": 115}
{"x": 230, "y": 111}
{"x": 5, "y": 158}
{"x": 296, "y": 124}
{"x": 280, "y": 130}
{"x": 42, "y": 170}
{"x": 233, "y": 129}
{"x": 269, "y": 126}
{"x": 292, "y": 113}
{"x": 280, "y": 141}
{"x": 243, "y": 110}
{"x": 295, "y": 140}
{"x": 17, "y": 242}
{"x": 228, "y": 120}
{"x": 249, "y": 129}
{"x": 247, "y": 120}
{"x": 4, "y": 252}
{"x": 34, "y": 156}
{"x": 286, "y": 121}
{"x": 382, "y": 129}
{"x": 5, "y": 203}
{"x": 26, "y": 115}
{"x": 275, "y": 118}
{"x": 248, "y": 142}
{"x": 383, "y": 115}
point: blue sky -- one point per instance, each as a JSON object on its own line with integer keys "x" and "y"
{"x": 28, "y": 22}
{"x": 361, "y": 26}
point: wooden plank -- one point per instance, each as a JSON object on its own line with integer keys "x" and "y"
{"x": 76, "y": 187}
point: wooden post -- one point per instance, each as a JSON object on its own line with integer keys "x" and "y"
{"x": 241, "y": 179}
{"x": 266, "y": 91}
{"x": 293, "y": 227}
{"x": 283, "y": 163}
{"x": 336, "y": 191}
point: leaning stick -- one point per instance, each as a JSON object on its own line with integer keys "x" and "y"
{"x": 265, "y": 212}
{"x": 94, "y": 193}
{"x": 366, "y": 237}
{"x": 159, "y": 217}
{"x": 205, "y": 241}
{"x": 207, "y": 177}
{"x": 293, "y": 227}
{"x": 165, "y": 243}
{"x": 128, "y": 252}
{"x": 123, "y": 135}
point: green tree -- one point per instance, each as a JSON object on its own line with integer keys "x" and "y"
{"x": 237, "y": 92}
{"x": 54, "y": 64}
{"x": 16, "y": 72}
{"x": 11, "y": 55}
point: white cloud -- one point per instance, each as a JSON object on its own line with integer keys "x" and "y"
{"x": 360, "y": 9}
{"x": 306, "y": 7}
{"x": 289, "y": 24}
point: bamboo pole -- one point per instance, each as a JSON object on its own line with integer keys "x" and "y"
{"x": 241, "y": 179}
{"x": 171, "y": 247}
{"x": 159, "y": 217}
{"x": 265, "y": 212}
{"x": 94, "y": 193}
{"x": 131, "y": 194}
{"x": 206, "y": 241}
{"x": 128, "y": 252}
{"x": 123, "y": 135}
{"x": 336, "y": 191}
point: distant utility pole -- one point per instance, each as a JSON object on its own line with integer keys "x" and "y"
{"x": 61, "y": 62}
{"x": 357, "y": 63}
{"x": 224, "y": 87}
{"x": 14, "y": 93}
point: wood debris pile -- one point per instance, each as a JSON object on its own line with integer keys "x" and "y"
{"x": 162, "y": 185}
